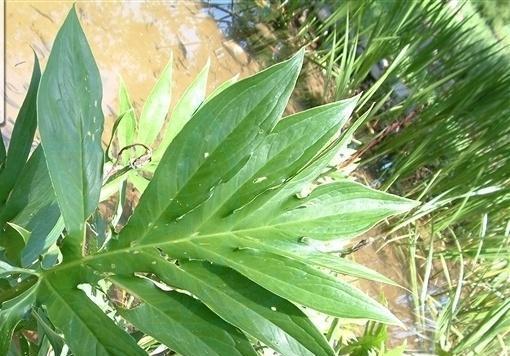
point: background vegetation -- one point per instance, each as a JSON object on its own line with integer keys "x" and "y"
{"x": 438, "y": 75}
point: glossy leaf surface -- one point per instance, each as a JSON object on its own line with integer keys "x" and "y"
{"x": 259, "y": 313}
{"x": 71, "y": 125}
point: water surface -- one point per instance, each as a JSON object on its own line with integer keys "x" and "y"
{"x": 129, "y": 39}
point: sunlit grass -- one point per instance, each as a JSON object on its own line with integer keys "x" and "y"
{"x": 438, "y": 132}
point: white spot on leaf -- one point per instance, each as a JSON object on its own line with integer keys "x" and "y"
{"x": 259, "y": 179}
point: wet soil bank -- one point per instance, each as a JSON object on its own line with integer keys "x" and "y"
{"x": 129, "y": 39}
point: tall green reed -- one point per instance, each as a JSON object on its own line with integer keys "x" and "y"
{"x": 439, "y": 132}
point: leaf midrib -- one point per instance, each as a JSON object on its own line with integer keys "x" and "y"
{"x": 134, "y": 248}
{"x": 189, "y": 238}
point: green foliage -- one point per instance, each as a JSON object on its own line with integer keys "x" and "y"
{"x": 22, "y": 137}
{"x": 155, "y": 108}
{"x": 469, "y": 303}
{"x": 496, "y": 14}
{"x": 439, "y": 80}
{"x": 442, "y": 107}
{"x": 372, "y": 341}
{"x": 70, "y": 117}
{"x": 224, "y": 242}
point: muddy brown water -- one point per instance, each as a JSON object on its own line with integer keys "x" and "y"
{"x": 130, "y": 39}
{"x": 133, "y": 40}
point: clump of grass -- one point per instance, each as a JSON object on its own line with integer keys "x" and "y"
{"x": 461, "y": 295}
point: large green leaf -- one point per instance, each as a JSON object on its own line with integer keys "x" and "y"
{"x": 87, "y": 329}
{"x": 262, "y": 314}
{"x": 71, "y": 125}
{"x": 236, "y": 299}
{"x": 198, "y": 160}
{"x": 181, "y": 322}
{"x": 226, "y": 220}
{"x": 230, "y": 229}
{"x": 22, "y": 137}
{"x": 219, "y": 218}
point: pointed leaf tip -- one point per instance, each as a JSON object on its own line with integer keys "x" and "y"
{"x": 298, "y": 58}
{"x": 72, "y": 118}
{"x": 72, "y": 15}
